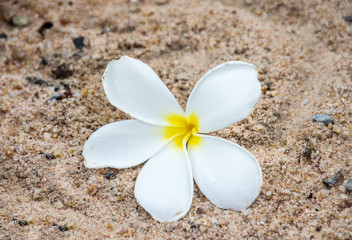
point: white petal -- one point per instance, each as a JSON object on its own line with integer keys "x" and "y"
{"x": 133, "y": 87}
{"x": 123, "y": 144}
{"x": 227, "y": 174}
{"x": 224, "y": 95}
{"x": 164, "y": 186}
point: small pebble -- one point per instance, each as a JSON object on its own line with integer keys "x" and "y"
{"x": 36, "y": 194}
{"x": 200, "y": 211}
{"x": 22, "y": 223}
{"x": 349, "y": 185}
{"x": 44, "y": 27}
{"x": 58, "y": 205}
{"x": 58, "y": 154}
{"x": 63, "y": 228}
{"x": 336, "y": 129}
{"x": 17, "y": 54}
{"x": 271, "y": 93}
{"x": 78, "y": 42}
{"x": 71, "y": 225}
{"x": 348, "y": 18}
{"x": 322, "y": 118}
{"x": 9, "y": 153}
{"x": 3, "y": 35}
{"x": 19, "y": 20}
{"x": 47, "y": 136}
{"x": 61, "y": 72}
{"x": 109, "y": 174}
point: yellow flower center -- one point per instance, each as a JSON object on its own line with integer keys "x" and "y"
{"x": 183, "y": 129}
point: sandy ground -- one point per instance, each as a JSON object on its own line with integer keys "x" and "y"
{"x": 302, "y": 50}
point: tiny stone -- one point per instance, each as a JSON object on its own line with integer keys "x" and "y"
{"x": 349, "y": 185}
{"x": 3, "y": 35}
{"x": 200, "y": 211}
{"x": 71, "y": 225}
{"x": 45, "y": 26}
{"x": 63, "y": 228}
{"x": 47, "y": 136}
{"x": 9, "y": 153}
{"x": 58, "y": 205}
{"x": 348, "y": 18}
{"x": 109, "y": 175}
{"x": 92, "y": 190}
{"x": 22, "y": 223}
{"x": 36, "y": 194}
{"x": 19, "y": 20}
{"x": 322, "y": 118}
{"x": 18, "y": 54}
{"x": 30, "y": 221}
{"x": 61, "y": 72}
{"x": 336, "y": 129}
{"x": 78, "y": 42}
{"x": 271, "y": 93}
{"x": 58, "y": 154}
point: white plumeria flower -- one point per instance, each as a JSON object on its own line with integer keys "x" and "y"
{"x": 227, "y": 174}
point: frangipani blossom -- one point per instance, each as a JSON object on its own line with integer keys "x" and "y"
{"x": 173, "y": 139}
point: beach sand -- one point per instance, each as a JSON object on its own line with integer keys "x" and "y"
{"x": 302, "y": 50}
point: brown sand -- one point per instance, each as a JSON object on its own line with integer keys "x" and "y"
{"x": 303, "y": 53}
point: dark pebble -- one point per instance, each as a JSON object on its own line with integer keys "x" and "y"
{"x": 310, "y": 195}
{"x": 322, "y": 118}
{"x": 44, "y": 27}
{"x": 348, "y": 18}
{"x": 337, "y": 178}
{"x": 3, "y": 35}
{"x": 109, "y": 175}
{"x": 36, "y": 80}
{"x": 61, "y": 72}
{"x": 349, "y": 185}
{"x": 319, "y": 228}
{"x": 22, "y": 223}
{"x": 78, "y": 42}
{"x": 307, "y": 153}
{"x": 43, "y": 61}
{"x": 49, "y": 156}
{"x": 200, "y": 211}
{"x": 348, "y": 203}
{"x": 63, "y": 228}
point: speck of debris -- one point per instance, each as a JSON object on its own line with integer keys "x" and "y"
{"x": 19, "y": 20}
{"x": 36, "y": 80}
{"x": 200, "y": 211}
{"x": 109, "y": 174}
{"x": 43, "y": 61}
{"x": 78, "y": 42}
{"x": 310, "y": 195}
{"x": 3, "y": 35}
{"x": 307, "y": 153}
{"x": 318, "y": 229}
{"x": 63, "y": 228}
{"x": 337, "y": 178}
{"x": 322, "y": 118}
{"x": 349, "y": 185}
{"x": 61, "y": 72}
{"x": 53, "y": 97}
{"x": 22, "y": 223}
{"x": 46, "y": 25}
{"x": 348, "y": 18}
{"x": 49, "y": 156}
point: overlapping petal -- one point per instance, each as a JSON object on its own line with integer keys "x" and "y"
{"x": 224, "y": 95}
{"x": 133, "y": 87}
{"x": 164, "y": 186}
{"x": 123, "y": 144}
{"x": 227, "y": 174}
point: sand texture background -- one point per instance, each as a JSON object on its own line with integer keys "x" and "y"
{"x": 302, "y": 50}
